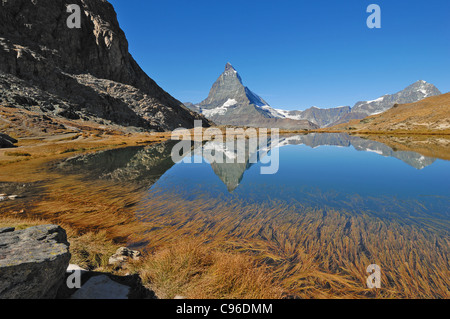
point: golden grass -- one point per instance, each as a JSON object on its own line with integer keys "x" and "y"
{"x": 313, "y": 253}
{"x": 210, "y": 248}
{"x": 190, "y": 268}
{"x": 428, "y": 116}
{"x": 17, "y": 154}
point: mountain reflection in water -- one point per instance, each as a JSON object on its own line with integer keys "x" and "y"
{"x": 347, "y": 173}
{"x": 232, "y": 173}
{"x": 145, "y": 165}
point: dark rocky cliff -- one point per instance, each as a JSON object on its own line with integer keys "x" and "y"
{"x": 83, "y": 73}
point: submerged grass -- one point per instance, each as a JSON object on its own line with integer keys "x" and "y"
{"x": 313, "y": 253}
{"x": 210, "y": 248}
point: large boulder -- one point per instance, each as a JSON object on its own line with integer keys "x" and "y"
{"x": 33, "y": 262}
{"x": 6, "y": 141}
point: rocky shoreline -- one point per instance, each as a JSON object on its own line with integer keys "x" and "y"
{"x": 34, "y": 264}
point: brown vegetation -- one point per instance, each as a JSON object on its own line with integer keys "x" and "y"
{"x": 428, "y": 116}
{"x": 208, "y": 248}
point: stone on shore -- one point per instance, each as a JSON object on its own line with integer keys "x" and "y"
{"x": 33, "y": 262}
{"x": 123, "y": 255}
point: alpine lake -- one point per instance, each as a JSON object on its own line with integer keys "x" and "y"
{"x": 336, "y": 204}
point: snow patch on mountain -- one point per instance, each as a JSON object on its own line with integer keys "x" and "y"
{"x": 288, "y": 114}
{"x": 220, "y": 110}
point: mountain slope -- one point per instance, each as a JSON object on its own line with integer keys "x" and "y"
{"x": 321, "y": 117}
{"x": 338, "y": 115}
{"x": 84, "y": 73}
{"x": 231, "y": 103}
{"x": 430, "y": 115}
{"x": 413, "y": 93}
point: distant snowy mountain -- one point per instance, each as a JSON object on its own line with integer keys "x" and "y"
{"x": 413, "y": 93}
{"x": 231, "y": 103}
{"x": 320, "y": 117}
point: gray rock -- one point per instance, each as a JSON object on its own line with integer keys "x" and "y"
{"x": 101, "y": 287}
{"x": 33, "y": 262}
{"x": 123, "y": 255}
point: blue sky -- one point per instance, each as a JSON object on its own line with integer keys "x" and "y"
{"x": 294, "y": 54}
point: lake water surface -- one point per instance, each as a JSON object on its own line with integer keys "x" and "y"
{"x": 331, "y": 171}
{"x": 337, "y": 203}
{"x": 325, "y": 170}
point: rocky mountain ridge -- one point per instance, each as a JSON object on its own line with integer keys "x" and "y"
{"x": 413, "y": 93}
{"x": 430, "y": 115}
{"x": 79, "y": 74}
{"x": 230, "y": 103}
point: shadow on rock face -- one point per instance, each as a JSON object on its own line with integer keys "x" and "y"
{"x": 98, "y": 285}
{"x": 7, "y": 141}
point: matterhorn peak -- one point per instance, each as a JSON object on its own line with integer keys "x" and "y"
{"x": 230, "y": 70}
{"x": 228, "y": 66}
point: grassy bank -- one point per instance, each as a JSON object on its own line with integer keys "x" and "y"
{"x": 206, "y": 248}
{"x": 212, "y": 249}
{"x": 187, "y": 268}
